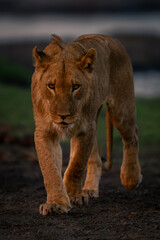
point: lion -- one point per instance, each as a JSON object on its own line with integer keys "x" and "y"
{"x": 71, "y": 82}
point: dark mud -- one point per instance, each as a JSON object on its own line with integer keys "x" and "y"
{"x": 116, "y": 214}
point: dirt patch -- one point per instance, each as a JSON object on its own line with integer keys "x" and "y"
{"x": 116, "y": 214}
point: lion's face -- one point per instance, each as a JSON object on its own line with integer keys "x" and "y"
{"x": 64, "y": 90}
{"x": 64, "y": 83}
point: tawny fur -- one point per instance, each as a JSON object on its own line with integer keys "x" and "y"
{"x": 70, "y": 84}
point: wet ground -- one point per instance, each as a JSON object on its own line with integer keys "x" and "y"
{"x": 116, "y": 214}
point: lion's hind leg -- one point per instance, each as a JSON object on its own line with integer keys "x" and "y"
{"x": 124, "y": 120}
{"x": 94, "y": 170}
{"x": 130, "y": 170}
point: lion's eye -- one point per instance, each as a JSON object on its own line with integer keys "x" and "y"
{"x": 51, "y": 86}
{"x": 75, "y": 87}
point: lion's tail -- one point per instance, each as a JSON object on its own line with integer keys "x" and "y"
{"x": 109, "y": 128}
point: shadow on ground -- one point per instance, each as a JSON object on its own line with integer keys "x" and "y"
{"x": 116, "y": 214}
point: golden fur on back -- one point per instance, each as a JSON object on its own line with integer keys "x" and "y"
{"x": 70, "y": 84}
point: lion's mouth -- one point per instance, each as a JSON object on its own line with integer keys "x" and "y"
{"x": 63, "y": 124}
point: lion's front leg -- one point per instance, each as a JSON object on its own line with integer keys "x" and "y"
{"x": 50, "y": 160}
{"x": 81, "y": 146}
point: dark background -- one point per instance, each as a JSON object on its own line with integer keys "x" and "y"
{"x": 117, "y": 213}
{"x": 82, "y": 6}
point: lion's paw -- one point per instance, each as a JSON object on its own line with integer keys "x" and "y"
{"x": 46, "y": 209}
{"x": 79, "y": 199}
{"x": 91, "y": 193}
{"x": 130, "y": 179}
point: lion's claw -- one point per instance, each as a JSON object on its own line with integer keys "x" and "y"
{"x": 46, "y": 209}
{"x": 91, "y": 193}
{"x": 79, "y": 199}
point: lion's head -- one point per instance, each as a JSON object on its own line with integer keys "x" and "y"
{"x": 61, "y": 82}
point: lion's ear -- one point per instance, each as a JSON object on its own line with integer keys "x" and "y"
{"x": 41, "y": 59}
{"x": 88, "y": 60}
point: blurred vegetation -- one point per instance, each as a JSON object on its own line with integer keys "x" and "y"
{"x": 14, "y": 73}
{"x": 16, "y": 109}
{"x": 148, "y": 119}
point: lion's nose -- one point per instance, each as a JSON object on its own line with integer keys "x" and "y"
{"x": 64, "y": 116}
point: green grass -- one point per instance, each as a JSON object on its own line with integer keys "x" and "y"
{"x": 148, "y": 119}
{"x": 14, "y": 73}
{"x": 16, "y": 109}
